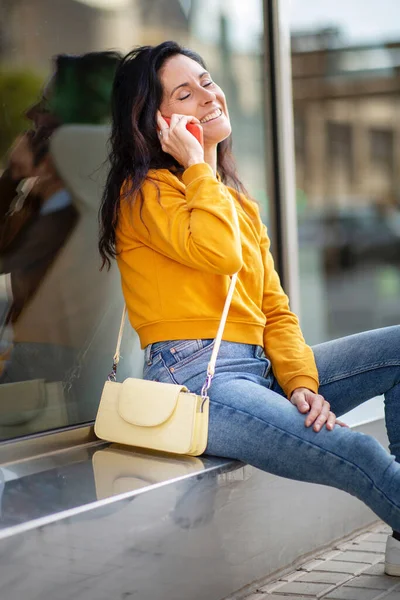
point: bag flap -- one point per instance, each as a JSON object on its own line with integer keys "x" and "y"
{"x": 147, "y": 403}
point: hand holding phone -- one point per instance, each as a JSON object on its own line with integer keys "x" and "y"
{"x": 174, "y": 140}
{"x": 193, "y": 128}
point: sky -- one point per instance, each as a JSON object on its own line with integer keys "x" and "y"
{"x": 360, "y": 20}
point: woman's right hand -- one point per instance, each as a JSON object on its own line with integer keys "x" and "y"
{"x": 177, "y": 141}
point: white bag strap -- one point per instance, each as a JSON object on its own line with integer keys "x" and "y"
{"x": 218, "y": 338}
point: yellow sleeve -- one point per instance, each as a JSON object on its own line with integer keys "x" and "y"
{"x": 292, "y": 359}
{"x": 197, "y": 227}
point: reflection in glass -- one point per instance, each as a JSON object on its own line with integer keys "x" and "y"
{"x": 59, "y": 313}
{"x": 46, "y": 232}
{"x": 346, "y": 94}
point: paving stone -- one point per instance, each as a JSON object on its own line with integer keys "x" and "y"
{"x": 356, "y": 540}
{"x": 383, "y": 529}
{"x": 352, "y": 593}
{"x": 272, "y": 586}
{"x": 303, "y": 588}
{"x": 377, "y": 569}
{"x": 291, "y": 576}
{"x": 377, "y": 537}
{"x": 373, "y": 582}
{"x": 329, "y": 555}
{"x": 291, "y": 597}
{"x": 322, "y": 577}
{"x": 362, "y": 536}
{"x": 313, "y": 564}
{"x": 360, "y": 557}
{"x": 353, "y": 570}
{"x": 337, "y": 566}
{"x": 391, "y": 596}
{"x": 367, "y": 546}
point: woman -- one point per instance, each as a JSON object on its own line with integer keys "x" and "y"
{"x": 170, "y": 220}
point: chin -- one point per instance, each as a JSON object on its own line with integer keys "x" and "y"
{"x": 218, "y": 136}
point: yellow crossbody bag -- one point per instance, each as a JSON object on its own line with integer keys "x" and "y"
{"x": 158, "y": 416}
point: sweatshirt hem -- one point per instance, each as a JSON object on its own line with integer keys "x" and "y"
{"x": 304, "y": 381}
{"x": 240, "y": 332}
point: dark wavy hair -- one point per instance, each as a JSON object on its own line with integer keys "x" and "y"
{"x": 134, "y": 144}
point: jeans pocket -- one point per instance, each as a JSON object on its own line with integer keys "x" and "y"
{"x": 177, "y": 361}
{"x": 187, "y": 360}
{"x": 158, "y": 371}
{"x": 186, "y": 350}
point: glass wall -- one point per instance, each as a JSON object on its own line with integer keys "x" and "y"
{"x": 59, "y": 313}
{"x": 346, "y": 94}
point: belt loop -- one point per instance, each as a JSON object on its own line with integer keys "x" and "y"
{"x": 147, "y": 354}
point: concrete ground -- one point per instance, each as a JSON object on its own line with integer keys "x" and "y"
{"x": 348, "y": 571}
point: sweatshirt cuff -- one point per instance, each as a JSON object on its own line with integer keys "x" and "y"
{"x": 197, "y": 171}
{"x": 302, "y": 381}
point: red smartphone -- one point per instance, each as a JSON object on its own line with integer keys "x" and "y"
{"x": 193, "y": 128}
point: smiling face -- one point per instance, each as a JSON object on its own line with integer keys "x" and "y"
{"x": 189, "y": 90}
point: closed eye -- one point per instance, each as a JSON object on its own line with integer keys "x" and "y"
{"x": 205, "y": 85}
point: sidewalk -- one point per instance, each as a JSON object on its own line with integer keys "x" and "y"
{"x": 349, "y": 571}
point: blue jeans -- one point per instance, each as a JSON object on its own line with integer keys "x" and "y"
{"x": 252, "y": 421}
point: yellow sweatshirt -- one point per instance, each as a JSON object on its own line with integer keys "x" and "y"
{"x": 176, "y": 251}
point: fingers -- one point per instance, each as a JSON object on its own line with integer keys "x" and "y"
{"x": 320, "y": 413}
{"x": 188, "y": 119}
{"x": 175, "y": 119}
{"x": 323, "y": 416}
{"x": 330, "y": 423}
{"x": 299, "y": 400}
{"x": 319, "y": 404}
{"x": 161, "y": 122}
{"x": 177, "y": 141}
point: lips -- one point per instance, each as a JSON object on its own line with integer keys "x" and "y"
{"x": 211, "y": 116}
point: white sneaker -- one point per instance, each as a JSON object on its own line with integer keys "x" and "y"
{"x": 392, "y": 557}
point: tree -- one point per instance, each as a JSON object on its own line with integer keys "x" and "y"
{"x": 19, "y": 89}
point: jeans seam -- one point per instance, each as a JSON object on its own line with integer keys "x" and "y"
{"x": 364, "y": 369}
{"x": 161, "y": 367}
{"x": 168, "y": 371}
{"x": 184, "y": 362}
{"x": 356, "y": 467}
{"x": 267, "y": 370}
{"x": 160, "y": 349}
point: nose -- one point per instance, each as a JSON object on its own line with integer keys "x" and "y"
{"x": 207, "y": 95}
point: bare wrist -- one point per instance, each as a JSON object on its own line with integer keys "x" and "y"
{"x": 194, "y": 161}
